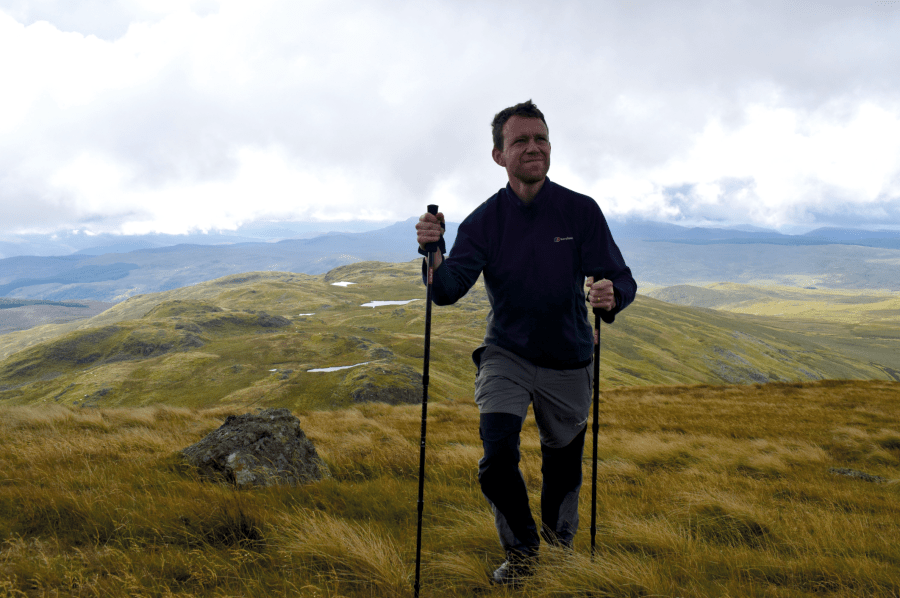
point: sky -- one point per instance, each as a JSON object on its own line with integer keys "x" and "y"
{"x": 176, "y": 116}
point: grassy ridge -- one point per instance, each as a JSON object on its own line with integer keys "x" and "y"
{"x": 703, "y": 491}
{"x": 824, "y": 305}
{"x": 858, "y": 324}
{"x": 241, "y": 340}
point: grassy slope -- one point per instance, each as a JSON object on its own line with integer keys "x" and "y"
{"x": 831, "y": 305}
{"x": 704, "y": 491}
{"x": 863, "y": 325}
{"x": 217, "y": 343}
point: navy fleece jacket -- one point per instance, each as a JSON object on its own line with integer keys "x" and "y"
{"x": 535, "y": 258}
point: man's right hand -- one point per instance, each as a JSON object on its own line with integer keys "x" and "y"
{"x": 429, "y": 230}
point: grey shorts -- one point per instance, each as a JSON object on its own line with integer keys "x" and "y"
{"x": 507, "y": 383}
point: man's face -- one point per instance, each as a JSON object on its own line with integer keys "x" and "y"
{"x": 526, "y": 149}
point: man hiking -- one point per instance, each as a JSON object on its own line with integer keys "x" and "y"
{"x": 535, "y": 242}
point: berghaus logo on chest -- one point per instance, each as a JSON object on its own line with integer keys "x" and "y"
{"x": 558, "y": 239}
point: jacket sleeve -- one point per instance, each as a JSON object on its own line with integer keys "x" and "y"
{"x": 601, "y": 258}
{"x": 459, "y": 270}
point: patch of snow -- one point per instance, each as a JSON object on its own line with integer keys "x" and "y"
{"x": 342, "y": 284}
{"x": 374, "y": 304}
{"x": 336, "y": 368}
{"x": 312, "y": 314}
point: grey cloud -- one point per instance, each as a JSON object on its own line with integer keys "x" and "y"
{"x": 406, "y": 91}
{"x": 727, "y": 210}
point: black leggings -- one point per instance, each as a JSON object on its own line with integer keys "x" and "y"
{"x": 503, "y": 485}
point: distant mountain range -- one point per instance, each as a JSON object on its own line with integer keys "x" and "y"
{"x": 669, "y": 233}
{"x": 659, "y": 255}
{"x": 83, "y": 242}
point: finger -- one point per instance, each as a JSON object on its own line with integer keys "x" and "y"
{"x": 601, "y": 292}
{"x": 425, "y": 240}
{"x": 433, "y": 218}
{"x": 428, "y": 226}
{"x": 603, "y": 298}
{"x": 605, "y": 301}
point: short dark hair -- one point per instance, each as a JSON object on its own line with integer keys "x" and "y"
{"x": 525, "y": 109}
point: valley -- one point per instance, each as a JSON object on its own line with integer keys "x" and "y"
{"x": 250, "y": 340}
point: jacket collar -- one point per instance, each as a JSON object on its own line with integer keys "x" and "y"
{"x": 538, "y": 200}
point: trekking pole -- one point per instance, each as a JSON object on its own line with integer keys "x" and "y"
{"x": 430, "y": 248}
{"x": 596, "y": 430}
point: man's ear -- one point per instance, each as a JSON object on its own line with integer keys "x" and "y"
{"x": 497, "y": 155}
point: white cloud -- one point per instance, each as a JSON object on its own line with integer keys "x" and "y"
{"x": 173, "y": 116}
{"x": 782, "y": 164}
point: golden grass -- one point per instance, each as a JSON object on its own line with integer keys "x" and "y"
{"x": 826, "y": 305}
{"x": 702, "y": 491}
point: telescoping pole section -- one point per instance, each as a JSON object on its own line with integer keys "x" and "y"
{"x": 596, "y": 430}
{"x": 430, "y": 248}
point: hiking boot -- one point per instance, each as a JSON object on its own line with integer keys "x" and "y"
{"x": 515, "y": 569}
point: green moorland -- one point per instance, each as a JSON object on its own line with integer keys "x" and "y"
{"x": 243, "y": 340}
{"x": 856, "y": 306}
{"x": 724, "y": 447}
{"x": 718, "y": 491}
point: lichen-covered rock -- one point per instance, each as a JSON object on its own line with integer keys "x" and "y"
{"x": 385, "y": 383}
{"x": 258, "y": 449}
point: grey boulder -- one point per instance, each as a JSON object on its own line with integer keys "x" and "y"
{"x": 258, "y": 449}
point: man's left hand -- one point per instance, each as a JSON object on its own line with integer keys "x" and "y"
{"x": 600, "y": 294}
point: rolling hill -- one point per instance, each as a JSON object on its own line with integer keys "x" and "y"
{"x": 839, "y": 305}
{"x": 252, "y": 339}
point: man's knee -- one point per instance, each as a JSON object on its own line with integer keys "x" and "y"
{"x": 500, "y": 438}
{"x": 562, "y": 466}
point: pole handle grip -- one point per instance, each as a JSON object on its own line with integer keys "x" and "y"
{"x": 432, "y": 247}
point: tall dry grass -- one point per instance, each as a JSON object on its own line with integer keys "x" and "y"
{"x": 702, "y": 491}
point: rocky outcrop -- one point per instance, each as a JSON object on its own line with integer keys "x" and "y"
{"x": 258, "y": 449}
{"x": 859, "y": 475}
{"x": 392, "y": 384}
{"x": 392, "y": 395}
{"x": 240, "y": 319}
